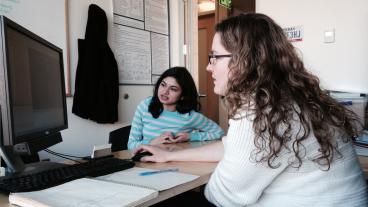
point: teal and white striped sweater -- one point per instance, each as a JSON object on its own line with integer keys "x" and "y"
{"x": 145, "y": 127}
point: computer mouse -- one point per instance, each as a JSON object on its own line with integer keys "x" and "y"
{"x": 137, "y": 157}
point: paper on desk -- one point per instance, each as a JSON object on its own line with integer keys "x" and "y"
{"x": 85, "y": 192}
{"x": 161, "y": 181}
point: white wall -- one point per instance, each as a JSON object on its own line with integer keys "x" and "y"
{"x": 82, "y": 134}
{"x": 51, "y": 29}
{"x": 342, "y": 65}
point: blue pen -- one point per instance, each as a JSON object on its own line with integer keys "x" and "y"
{"x": 158, "y": 171}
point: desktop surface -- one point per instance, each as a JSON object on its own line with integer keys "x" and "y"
{"x": 202, "y": 169}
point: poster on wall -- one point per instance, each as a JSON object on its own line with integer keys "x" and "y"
{"x": 160, "y": 53}
{"x": 133, "y": 55}
{"x": 141, "y": 40}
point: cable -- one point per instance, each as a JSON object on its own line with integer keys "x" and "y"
{"x": 58, "y": 155}
{"x": 61, "y": 155}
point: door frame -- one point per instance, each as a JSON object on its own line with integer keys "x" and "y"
{"x": 191, "y": 42}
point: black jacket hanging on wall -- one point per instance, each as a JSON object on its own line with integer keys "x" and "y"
{"x": 97, "y": 81}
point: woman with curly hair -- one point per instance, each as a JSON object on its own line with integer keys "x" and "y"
{"x": 171, "y": 114}
{"x": 289, "y": 143}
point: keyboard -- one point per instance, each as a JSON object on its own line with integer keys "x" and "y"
{"x": 62, "y": 174}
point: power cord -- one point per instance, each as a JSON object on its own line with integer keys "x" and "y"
{"x": 65, "y": 156}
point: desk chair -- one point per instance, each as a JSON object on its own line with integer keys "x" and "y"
{"x": 119, "y": 138}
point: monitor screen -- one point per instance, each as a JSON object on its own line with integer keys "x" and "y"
{"x": 35, "y": 88}
{"x": 32, "y": 92}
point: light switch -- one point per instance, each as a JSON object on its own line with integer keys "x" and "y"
{"x": 329, "y": 36}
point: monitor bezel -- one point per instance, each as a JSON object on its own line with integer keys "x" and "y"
{"x": 7, "y": 23}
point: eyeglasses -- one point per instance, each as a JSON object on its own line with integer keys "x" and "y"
{"x": 212, "y": 58}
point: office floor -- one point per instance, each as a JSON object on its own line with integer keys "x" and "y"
{"x": 193, "y": 198}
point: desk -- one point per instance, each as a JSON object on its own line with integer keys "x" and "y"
{"x": 202, "y": 169}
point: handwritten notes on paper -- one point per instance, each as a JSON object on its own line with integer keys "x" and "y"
{"x": 141, "y": 39}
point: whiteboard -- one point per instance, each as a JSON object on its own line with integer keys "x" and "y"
{"x": 46, "y": 18}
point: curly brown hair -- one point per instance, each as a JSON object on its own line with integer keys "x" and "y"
{"x": 267, "y": 77}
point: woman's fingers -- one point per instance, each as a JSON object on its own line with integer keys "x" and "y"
{"x": 142, "y": 148}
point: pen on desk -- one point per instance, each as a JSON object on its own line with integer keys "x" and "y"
{"x": 158, "y": 171}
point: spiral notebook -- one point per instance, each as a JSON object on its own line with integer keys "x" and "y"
{"x": 84, "y": 192}
{"x": 119, "y": 189}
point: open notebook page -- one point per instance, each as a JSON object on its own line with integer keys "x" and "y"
{"x": 160, "y": 181}
{"x": 85, "y": 192}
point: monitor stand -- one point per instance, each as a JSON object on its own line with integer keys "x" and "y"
{"x": 12, "y": 160}
{"x": 15, "y": 166}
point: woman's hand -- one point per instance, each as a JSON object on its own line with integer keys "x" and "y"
{"x": 181, "y": 137}
{"x": 164, "y": 138}
{"x": 212, "y": 152}
{"x": 158, "y": 154}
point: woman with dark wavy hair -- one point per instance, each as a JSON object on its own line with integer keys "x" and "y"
{"x": 171, "y": 115}
{"x": 289, "y": 143}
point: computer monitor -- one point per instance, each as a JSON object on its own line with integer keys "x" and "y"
{"x": 32, "y": 94}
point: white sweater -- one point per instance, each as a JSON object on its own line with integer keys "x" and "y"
{"x": 238, "y": 181}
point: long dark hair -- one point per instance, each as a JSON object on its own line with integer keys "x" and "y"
{"x": 267, "y": 77}
{"x": 189, "y": 95}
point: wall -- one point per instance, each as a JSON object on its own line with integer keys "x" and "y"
{"x": 51, "y": 29}
{"x": 82, "y": 135}
{"x": 342, "y": 65}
